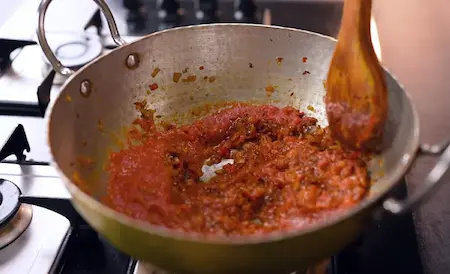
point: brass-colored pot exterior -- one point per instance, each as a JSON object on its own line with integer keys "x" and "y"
{"x": 181, "y": 256}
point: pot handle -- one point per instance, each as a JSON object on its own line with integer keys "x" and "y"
{"x": 432, "y": 181}
{"x": 56, "y": 64}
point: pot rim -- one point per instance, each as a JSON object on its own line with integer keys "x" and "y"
{"x": 161, "y": 231}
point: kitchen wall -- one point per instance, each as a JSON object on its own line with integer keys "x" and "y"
{"x": 415, "y": 42}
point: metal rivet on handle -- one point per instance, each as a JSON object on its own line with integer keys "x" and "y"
{"x": 85, "y": 88}
{"x": 132, "y": 61}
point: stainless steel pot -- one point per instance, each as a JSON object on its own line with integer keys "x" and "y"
{"x": 96, "y": 103}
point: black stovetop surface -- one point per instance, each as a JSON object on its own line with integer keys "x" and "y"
{"x": 387, "y": 246}
{"x": 85, "y": 252}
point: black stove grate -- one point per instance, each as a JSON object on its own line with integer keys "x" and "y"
{"x": 7, "y": 46}
{"x": 43, "y": 91}
{"x": 16, "y": 144}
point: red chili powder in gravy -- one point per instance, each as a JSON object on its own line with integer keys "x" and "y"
{"x": 285, "y": 173}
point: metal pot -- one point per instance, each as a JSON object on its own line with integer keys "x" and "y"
{"x": 96, "y": 103}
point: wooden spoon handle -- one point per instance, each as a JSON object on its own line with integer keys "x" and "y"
{"x": 356, "y": 19}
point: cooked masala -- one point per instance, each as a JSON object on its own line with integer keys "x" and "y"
{"x": 243, "y": 170}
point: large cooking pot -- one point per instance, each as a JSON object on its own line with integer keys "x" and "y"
{"x": 96, "y": 103}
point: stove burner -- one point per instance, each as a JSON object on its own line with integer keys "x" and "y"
{"x": 146, "y": 268}
{"x": 75, "y": 50}
{"x": 320, "y": 268}
{"x": 9, "y": 200}
{"x": 78, "y": 52}
{"x": 14, "y": 217}
{"x": 16, "y": 226}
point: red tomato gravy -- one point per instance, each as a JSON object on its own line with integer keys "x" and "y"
{"x": 286, "y": 173}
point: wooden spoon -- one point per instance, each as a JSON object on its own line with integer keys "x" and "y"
{"x": 356, "y": 98}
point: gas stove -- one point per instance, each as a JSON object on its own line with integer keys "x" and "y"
{"x": 40, "y": 232}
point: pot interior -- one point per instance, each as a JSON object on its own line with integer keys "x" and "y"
{"x": 217, "y": 63}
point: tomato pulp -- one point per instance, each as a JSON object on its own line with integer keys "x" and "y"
{"x": 283, "y": 172}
